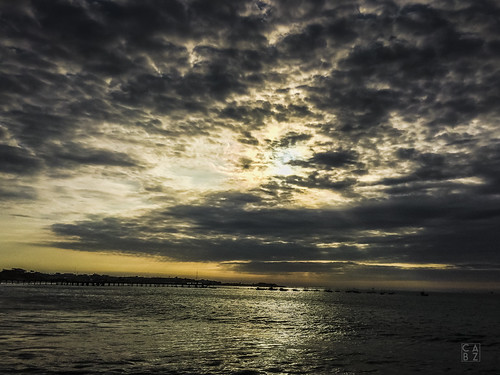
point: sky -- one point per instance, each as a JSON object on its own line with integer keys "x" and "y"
{"x": 337, "y": 143}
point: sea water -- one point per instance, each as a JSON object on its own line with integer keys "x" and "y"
{"x": 56, "y": 329}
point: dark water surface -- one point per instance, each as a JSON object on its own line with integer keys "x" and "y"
{"x": 140, "y": 330}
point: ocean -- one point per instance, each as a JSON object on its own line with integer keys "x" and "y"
{"x": 57, "y": 329}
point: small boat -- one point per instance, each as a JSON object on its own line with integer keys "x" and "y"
{"x": 423, "y": 294}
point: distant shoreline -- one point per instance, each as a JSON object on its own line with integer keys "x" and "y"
{"x": 19, "y": 275}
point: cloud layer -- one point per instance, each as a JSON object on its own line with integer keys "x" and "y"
{"x": 270, "y": 136}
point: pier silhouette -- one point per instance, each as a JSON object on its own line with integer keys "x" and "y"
{"x": 20, "y": 276}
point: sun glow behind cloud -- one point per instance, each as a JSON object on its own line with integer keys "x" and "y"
{"x": 281, "y": 158}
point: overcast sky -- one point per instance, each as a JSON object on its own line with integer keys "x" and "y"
{"x": 329, "y": 142}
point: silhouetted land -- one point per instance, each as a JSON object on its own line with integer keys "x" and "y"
{"x": 18, "y": 275}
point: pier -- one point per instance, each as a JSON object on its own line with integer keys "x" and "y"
{"x": 20, "y": 276}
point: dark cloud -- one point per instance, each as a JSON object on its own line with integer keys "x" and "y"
{"x": 255, "y": 116}
{"x": 17, "y": 160}
{"x": 226, "y": 228}
{"x": 20, "y": 161}
{"x": 247, "y": 138}
{"x": 340, "y": 30}
{"x": 74, "y": 154}
{"x": 292, "y": 138}
{"x": 334, "y": 159}
{"x": 318, "y": 181}
{"x": 430, "y": 168}
{"x": 304, "y": 44}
